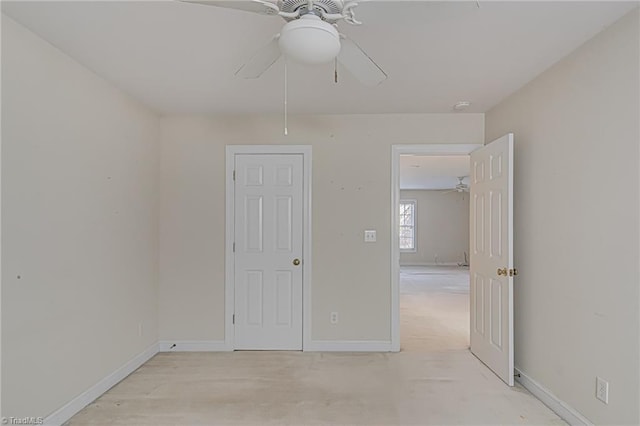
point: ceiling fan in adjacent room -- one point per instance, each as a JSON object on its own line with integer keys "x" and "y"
{"x": 310, "y": 36}
{"x": 460, "y": 187}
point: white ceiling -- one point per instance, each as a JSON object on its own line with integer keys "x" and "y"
{"x": 433, "y": 172}
{"x": 180, "y": 58}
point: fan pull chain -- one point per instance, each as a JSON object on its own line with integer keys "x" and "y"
{"x": 335, "y": 69}
{"x": 286, "y": 130}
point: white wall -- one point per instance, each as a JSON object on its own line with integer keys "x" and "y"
{"x": 576, "y": 223}
{"x": 351, "y": 193}
{"x": 442, "y": 228}
{"x": 79, "y": 222}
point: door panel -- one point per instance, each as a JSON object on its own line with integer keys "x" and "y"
{"x": 477, "y": 309}
{"x": 254, "y": 282}
{"x": 284, "y": 225}
{"x": 268, "y": 237}
{"x": 253, "y": 222}
{"x": 284, "y": 302}
{"x": 491, "y": 233}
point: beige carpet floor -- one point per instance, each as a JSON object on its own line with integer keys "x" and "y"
{"x": 433, "y": 380}
{"x": 434, "y": 308}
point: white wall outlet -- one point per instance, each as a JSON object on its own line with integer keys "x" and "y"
{"x": 370, "y": 236}
{"x": 334, "y": 318}
{"x": 602, "y": 390}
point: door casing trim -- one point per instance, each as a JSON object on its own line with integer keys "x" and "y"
{"x": 396, "y": 152}
{"x": 231, "y": 152}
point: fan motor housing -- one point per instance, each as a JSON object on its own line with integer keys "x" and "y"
{"x": 328, "y": 6}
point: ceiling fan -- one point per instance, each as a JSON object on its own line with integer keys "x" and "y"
{"x": 460, "y": 187}
{"x": 310, "y": 36}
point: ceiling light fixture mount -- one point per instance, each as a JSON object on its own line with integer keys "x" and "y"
{"x": 461, "y": 105}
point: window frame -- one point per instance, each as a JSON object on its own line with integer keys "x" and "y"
{"x": 414, "y": 202}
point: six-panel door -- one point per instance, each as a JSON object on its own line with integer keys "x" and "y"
{"x": 491, "y": 227}
{"x": 268, "y": 251}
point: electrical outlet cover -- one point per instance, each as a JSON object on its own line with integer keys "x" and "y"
{"x": 370, "y": 236}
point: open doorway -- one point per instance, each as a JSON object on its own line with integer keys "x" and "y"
{"x": 431, "y": 252}
{"x": 434, "y": 252}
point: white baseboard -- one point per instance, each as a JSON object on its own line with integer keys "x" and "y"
{"x": 348, "y": 346}
{"x": 561, "y": 408}
{"x": 430, "y": 264}
{"x": 63, "y": 414}
{"x": 313, "y": 346}
{"x": 194, "y": 346}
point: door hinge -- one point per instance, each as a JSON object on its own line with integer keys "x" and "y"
{"x": 234, "y": 175}
{"x": 233, "y": 319}
{"x": 234, "y": 247}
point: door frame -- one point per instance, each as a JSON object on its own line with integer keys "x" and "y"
{"x": 229, "y": 286}
{"x": 396, "y": 152}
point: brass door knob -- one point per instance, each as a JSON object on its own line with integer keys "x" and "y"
{"x": 296, "y": 262}
{"x": 502, "y": 271}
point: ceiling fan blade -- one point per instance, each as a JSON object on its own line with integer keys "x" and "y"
{"x": 261, "y": 60}
{"x": 257, "y": 6}
{"x": 358, "y": 63}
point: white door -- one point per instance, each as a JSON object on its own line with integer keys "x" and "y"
{"x": 491, "y": 263}
{"x": 268, "y": 251}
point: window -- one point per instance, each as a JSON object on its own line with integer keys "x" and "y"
{"x": 408, "y": 225}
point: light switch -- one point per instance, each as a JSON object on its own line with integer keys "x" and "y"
{"x": 370, "y": 236}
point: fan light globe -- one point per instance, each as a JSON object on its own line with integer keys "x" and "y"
{"x": 309, "y": 40}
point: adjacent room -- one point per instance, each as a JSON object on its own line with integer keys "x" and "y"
{"x": 434, "y": 252}
{"x": 207, "y": 215}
